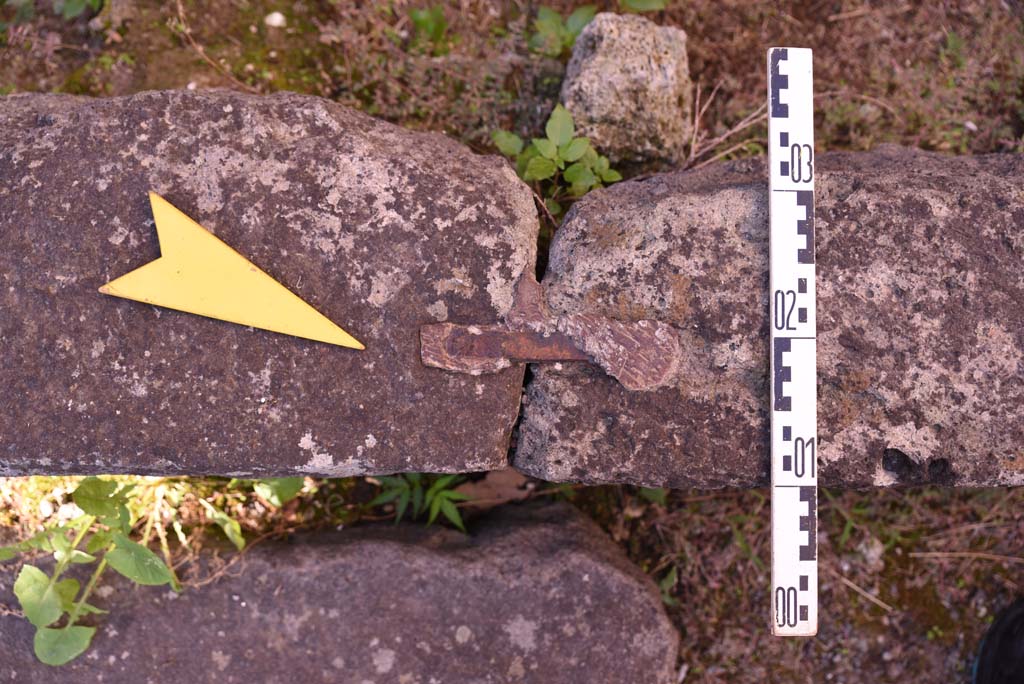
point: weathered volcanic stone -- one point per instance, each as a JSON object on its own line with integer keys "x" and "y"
{"x": 535, "y": 595}
{"x": 628, "y": 88}
{"x": 379, "y": 228}
{"x": 920, "y": 262}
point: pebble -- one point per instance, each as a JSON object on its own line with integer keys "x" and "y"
{"x": 275, "y": 20}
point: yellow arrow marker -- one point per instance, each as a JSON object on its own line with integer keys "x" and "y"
{"x": 198, "y": 273}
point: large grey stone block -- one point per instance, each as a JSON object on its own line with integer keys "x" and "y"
{"x": 920, "y": 262}
{"x": 536, "y": 594}
{"x": 379, "y": 228}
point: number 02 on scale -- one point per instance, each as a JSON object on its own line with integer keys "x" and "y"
{"x": 793, "y": 346}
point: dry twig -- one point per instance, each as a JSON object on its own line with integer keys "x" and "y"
{"x": 186, "y": 31}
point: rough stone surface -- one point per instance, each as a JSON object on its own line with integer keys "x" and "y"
{"x": 920, "y": 262}
{"x": 628, "y": 88}
{"x": 534, "y": 595}
{"x": 379, "y": 228}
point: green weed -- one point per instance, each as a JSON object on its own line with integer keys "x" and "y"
{"x": 554, "y": 36}
{"x": 430, "y": 28}
{"x": 417, "y": 494}
{"x": 560, "y": 165}
{"x": 643, "y": 5}
{"x": 100, "y": 536}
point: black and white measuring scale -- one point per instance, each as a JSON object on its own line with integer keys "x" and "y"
{"x": 793, "y": 397}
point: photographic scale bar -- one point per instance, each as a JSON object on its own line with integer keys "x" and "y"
{"x": 793, "y": 396}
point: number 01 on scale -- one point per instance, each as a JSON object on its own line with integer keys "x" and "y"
{"x": 793, "y": 393}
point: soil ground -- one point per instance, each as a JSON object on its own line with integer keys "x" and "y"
{"x": 943, "y": 76}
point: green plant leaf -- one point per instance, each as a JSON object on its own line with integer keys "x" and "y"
{"x": 666, "y": 585}
{"x": 86, "y": 608}
{"x": 656, "y": 495}
{"x": 509, "y": 144}
{"x": 539, "y": 168}
{"x": 138, "y": 563}
{"x": 574, "y": 149}
{"x": 560, "y": 128}
{"x": 97, "y": 542}
{"x": 72, "y": 8}
{"x": 430, "y": 24}
{"x": 74, "y": 556}
{"x": 611, "y": 176}
{"x": 579, "y": 18}
{"x": 387, "y": 496}
{"x": 417, "y": 499}
{"x": 440, "y": 484}
{"x": 67, "y": 590}
{"x": 278, "y": 490}
{"x": 643, "y": 5}
{"x": 61, "y": 646}
{"x": 579, "y": 189}
{"x": 123, "y": 520}
{"x": 232, "y": 529}
{"x": 403, "y": 503}
{"x": 96, "y": 497}
{"x": 452, "y": 513}
{"x": 523, "y": 159}
{"x": 8, "y": 552}
{"x": 435, "y": 508}
{"x": 580, "y": 174}
{"x": 546, "y": 148}
{"x": 548, "y": 16}
{"x": 39, "y": 598}
{"x": 549, "y": 29}
{"x": 554, "y": 207}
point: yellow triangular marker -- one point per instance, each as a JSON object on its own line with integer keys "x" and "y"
{"x": 198, "y": 273}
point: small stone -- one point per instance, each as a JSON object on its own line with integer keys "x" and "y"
{"x": 628, "y": 88}
{"x": 275, "y": 20}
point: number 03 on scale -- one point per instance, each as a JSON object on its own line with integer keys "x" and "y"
{"x": 793, "y": 346}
